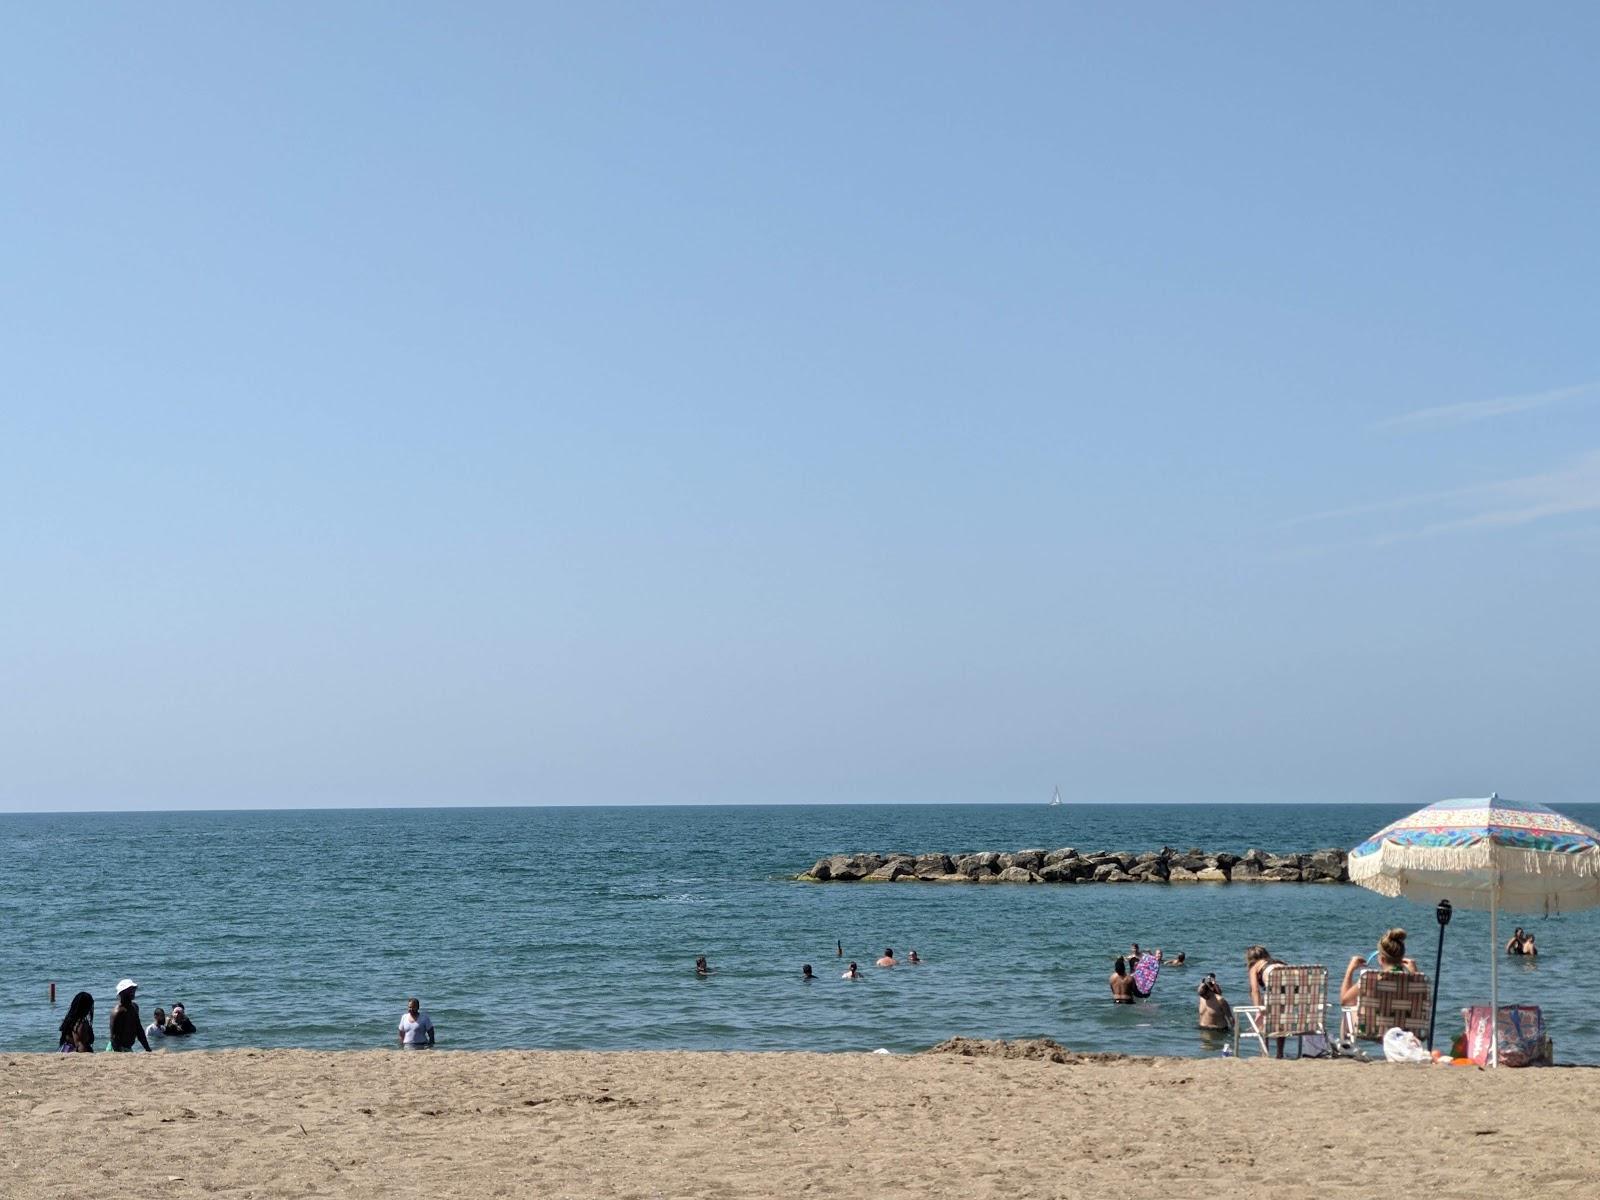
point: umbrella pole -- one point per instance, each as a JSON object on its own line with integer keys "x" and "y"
{"x": 1494, "y": 975}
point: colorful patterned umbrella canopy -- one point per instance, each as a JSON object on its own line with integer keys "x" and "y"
{"x": 1491, "y": 853}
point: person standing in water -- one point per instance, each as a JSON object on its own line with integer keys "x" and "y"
{"x": 78, "y": 1021}
{"x": 888, "y": 957}
{"x": 416, "y": 1027}
{"x": 1122, "y": 990}
{"x": 126, "y": 1028}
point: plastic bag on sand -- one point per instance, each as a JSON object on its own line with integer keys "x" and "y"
{"x": 1402, "y": 1046}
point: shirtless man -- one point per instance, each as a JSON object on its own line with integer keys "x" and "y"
{"x": 888, "y": 957}
{"x": 126, "y": 1028}
{"x": 1122, "y": 991}
{"x": 1215, "y": 1011}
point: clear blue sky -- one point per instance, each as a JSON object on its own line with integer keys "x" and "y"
{"x": 408, "y": 404}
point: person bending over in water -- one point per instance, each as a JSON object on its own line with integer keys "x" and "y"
{"x": 1122, "y": 989}
{"x": 888, "y": 957}
{"x": 805, "y": 973}
{"x": 1391, "y": 957}
{"x": 79, "y": 1019}
{"x": 1215, "y": 1012}
{"x": 700, "y": 967}
{"x": 851, "y": 972}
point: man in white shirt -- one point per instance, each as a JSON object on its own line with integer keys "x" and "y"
{"x": 416, "y": 1028}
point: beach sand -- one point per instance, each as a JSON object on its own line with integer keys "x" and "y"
{"x": 386, "y": 1124}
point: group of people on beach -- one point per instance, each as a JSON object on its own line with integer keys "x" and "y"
{"x": 1213, "y": 1010}
{"x": 127, "y": 1029}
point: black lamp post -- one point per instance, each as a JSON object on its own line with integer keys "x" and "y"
{"x": 1443, "y": 914}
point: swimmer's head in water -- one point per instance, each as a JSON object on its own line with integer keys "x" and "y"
{"x": 888, "y": 951}
{"x": 805, "y": 971}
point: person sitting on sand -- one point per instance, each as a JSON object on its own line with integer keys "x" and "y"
{"x": 178, "y": 1023}
{"x": 701, "y": 968}
{"x": 79, "y": 1019}
{"x": 851, "y": 972}
{"x": 1122, "y": 989}
{"x": 1214, "y": 1010}
{"x": 158, "y": 1027}
{"x": 914, "y": 960}
{"x": 416, "y": 1029}
{"x": 126, "y": 1028}
{"x": 1391, "y": 957}
{"x": 888, "y": 957}
{"x": 805, "y": 973}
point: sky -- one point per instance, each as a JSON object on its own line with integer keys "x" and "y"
{"x": 564, "y": 404}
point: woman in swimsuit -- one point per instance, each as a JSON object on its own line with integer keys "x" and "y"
{"x": 79, "y": 1013}
{"x": 1518, "y": 942}
{"x": 1256, "y": 960}
{"x": 1391, "y": 957}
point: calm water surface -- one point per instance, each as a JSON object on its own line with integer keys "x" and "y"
{"x": 578, "y": 927}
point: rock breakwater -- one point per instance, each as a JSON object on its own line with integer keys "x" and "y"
{"x": 1068, "y": 865}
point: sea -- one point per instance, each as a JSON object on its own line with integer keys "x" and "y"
{"x": 578, "y": 927}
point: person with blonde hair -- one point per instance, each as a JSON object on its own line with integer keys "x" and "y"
{"x": 1256, "y": 960}
{"x": 1391, "y": 956}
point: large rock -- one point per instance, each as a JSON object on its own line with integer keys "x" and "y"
{"x": 1188, "y": 860}
{"x": 1017, "y": 875}
{"x": 844, "y": 868}
{"x": 1325, "y": 866}
{"x": 1154, "y": 869}
{"x": 953, "y": 877}
{"x": 1104, "y": 871}
{"x": 1224, "y": 860}
{"x": 1029, "y": 860}
{"x": 889, "y": 872}
{"x": 1117, "y": 876}
{"x": 1281, "y": 874}
{"x": 1246, "y": 870}
{"x": 1212, "y": 875}
{"x": 1056, "y": 856}
{"x": 984, "y": 863}
{"x": 931, "y": 866}
{"x": 821, "y": 871}
{"x": 1177, "y": 874}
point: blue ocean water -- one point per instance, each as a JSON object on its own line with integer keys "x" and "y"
{"x": 578, "y": 927}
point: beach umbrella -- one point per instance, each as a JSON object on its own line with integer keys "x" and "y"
{"x": 1484, "y": 853}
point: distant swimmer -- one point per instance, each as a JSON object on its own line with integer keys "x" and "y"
{"x": 1180, "y": 959}
{"x": 914, "y": 959}
{"x": 700, "y": 967}
{"x": 852, "y": 972}
{"x": 1122, "y": 983}
{"x": 805, "y": 973}
{"x": 888, "y": 957}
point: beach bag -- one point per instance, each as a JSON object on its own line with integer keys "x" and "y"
{"x": 1401, "y": 1045}
{"x": 1522, "y": 1034}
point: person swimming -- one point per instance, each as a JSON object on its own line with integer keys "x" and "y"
{"x": 805, "y": 973}
{"x": 851, "y": 972}
{"x": 701, "y": 968}
{"x": 888, "y": 957}
{"x": 914, "y": 960}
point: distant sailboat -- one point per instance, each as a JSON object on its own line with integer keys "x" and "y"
{"x": 1055, "y": 801}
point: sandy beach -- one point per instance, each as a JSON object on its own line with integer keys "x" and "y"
{"x": 385, "y": 1124}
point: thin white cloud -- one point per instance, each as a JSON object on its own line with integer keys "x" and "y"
{"x": 1564, "y": 491}
{"x": 1445, "y": 416}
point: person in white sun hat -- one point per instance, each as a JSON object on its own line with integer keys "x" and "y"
{"x": 126, "y": 1028}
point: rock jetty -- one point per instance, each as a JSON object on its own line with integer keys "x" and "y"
{"x": 1067, "y": 865}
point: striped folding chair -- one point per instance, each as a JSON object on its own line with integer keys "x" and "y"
{"x": 1294, "y": 1002}
{"x": 1387, "y": 1000}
